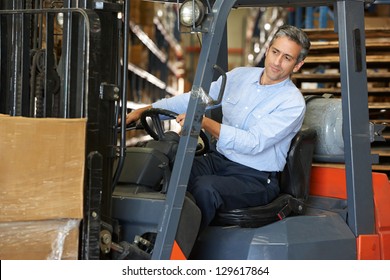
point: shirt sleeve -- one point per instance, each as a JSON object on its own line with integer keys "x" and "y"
{"x": 177, "y": 104}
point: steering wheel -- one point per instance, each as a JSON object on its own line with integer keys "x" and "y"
{"x": 159, "y": 133}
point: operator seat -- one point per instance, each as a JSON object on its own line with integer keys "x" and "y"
{"x": 294, "y": 183}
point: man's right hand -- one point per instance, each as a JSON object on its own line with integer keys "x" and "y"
{"x": 135, "y": 115}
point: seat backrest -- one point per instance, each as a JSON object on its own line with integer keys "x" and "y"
{"x": 295, "y": 178}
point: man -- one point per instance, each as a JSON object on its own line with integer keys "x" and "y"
{"x": 262, "y": 111}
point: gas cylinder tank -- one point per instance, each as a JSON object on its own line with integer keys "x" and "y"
{"x": 324, "y": 114}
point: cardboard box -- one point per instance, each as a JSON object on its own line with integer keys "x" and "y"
{"x": 41, "y": 168}
{"x": 40, "y": 240}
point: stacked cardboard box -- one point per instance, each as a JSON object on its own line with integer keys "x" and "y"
{"x": 41, "y": 187}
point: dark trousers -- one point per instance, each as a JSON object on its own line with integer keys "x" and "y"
{"x": 219, "y": 183}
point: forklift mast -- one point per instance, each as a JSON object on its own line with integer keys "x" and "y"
{"x": 90, "y": 82}
{"x": 68, "y": 69}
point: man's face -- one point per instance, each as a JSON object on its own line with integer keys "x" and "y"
{"x": 281, "y": 60}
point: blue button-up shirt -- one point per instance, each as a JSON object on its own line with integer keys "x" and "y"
{"x": 259, "y": 121}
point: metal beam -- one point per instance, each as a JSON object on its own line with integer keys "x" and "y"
{"x": 190, "y": 132}
{"x": 353, "y": 74}
{"x": 277, "y": 3}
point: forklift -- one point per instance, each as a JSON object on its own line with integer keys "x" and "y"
{"x": 135, "y": 201}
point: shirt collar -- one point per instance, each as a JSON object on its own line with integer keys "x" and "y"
{"x": 256, "y": 79}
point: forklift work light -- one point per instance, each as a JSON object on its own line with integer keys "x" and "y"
{"x": 191, "y": 13}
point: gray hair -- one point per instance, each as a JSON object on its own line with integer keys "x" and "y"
{"x": 297, "y": 35}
